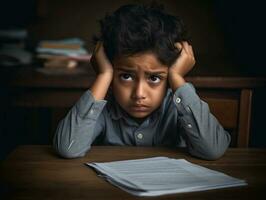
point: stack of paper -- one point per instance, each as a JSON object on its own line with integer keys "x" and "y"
{"x": 13, "y": 50}
{"x": 59, "y": 55}
{"x": 162, "y": 175}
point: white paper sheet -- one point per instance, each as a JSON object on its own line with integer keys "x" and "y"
{"x": 162, "y": 175}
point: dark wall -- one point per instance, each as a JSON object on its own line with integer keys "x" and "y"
{"x": 242, "y": 23}
{"x": 227, "y": 36}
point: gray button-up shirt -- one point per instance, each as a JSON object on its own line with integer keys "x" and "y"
{"x": 182, "y": 120}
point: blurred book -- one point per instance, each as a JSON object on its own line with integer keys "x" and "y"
{"x": 13, "y": 34}
{"x": 67, "y": 47}
{"x": 80, "y": 58}
{"x": 65, "y": 53}
{"x": 12, "y": 48}
{"x": 60, "y": 63}
{"x": 59, "y": 45}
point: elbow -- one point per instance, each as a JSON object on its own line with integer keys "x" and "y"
{"x": 215, "y": 152}
{"x": 68, "y": 154}
{"x": 218, "y": 150}
{"x": 213, "y": 155}
{"x": 207, "y": 155}
{"x": 67, "y": 149}
{"x": 212, "y": 150}
{"x": 209, "y": 152}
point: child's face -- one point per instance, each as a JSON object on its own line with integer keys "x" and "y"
{"x": 139, "y": 83}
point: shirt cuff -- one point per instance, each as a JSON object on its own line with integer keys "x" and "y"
{"x": 88, "y": 107}
{"x": 184, "y": 97}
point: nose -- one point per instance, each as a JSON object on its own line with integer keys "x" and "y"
{"x": 139, "y": 90}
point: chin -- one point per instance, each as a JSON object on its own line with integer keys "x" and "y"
{"x": 139, "y": 115}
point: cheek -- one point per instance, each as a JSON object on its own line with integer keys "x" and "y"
{"x": 120, "y": 92}
{"x": 158, "y": 94}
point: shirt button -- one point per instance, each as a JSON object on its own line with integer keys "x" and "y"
{"x": 189, "y": 125}
{"x": 178, "y": 100}
{"x": 140, "y": 136}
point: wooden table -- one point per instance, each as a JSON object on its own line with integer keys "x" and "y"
{"x": 36, "y": 172}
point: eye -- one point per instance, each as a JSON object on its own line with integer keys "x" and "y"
{"x": 126, "y": 77}
{"x": 154, "y": 78}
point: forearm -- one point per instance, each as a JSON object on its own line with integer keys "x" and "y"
{"x": 175, "y": 81}
{"x": 101, "y": 85}
{"x": 104, "y": 70}
{"x": 205, "y": 137}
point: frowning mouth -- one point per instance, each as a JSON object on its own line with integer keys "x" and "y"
{"x": 139, "y": 108}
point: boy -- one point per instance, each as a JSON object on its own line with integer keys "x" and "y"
{"x": 139, "y": 96}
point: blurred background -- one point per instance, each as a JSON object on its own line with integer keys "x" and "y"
{"x": 49, "y": 43}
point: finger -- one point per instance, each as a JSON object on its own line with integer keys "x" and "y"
{"x": 99, "y": 51}
{"x": 178, "y": 45}
{"x": 191, "y": 50}
{"x": 186, "y": 47}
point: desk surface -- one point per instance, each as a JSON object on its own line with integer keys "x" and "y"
{"x": 35, "y": 172}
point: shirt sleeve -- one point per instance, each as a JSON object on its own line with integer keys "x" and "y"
{"x": 76, "y": 132}
{"x": 205, "y": 137}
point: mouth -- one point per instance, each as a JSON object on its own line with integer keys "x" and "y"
{"x": 139, "y": 108}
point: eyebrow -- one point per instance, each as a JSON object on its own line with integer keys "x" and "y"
{"x": 146, "y": 72}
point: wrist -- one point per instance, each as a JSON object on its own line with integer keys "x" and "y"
{"x": 105, "y": 79}
{"x": 107, "y": 74}
{"x": 175, "y": 81}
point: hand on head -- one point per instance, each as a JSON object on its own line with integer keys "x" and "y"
{"x": 185, "y": 62}
{"x": 100, "y": 61}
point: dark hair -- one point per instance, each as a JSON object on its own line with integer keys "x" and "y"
{"x": 133, "y": 29}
